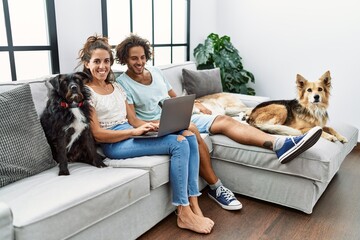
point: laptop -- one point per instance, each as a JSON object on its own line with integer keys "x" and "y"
{"x": 175, "y": 116}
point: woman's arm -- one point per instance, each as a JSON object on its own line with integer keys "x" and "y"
{"x": 131, "y": 116}
{"x": 111, "y": 136}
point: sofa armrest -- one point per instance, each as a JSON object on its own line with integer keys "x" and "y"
{"x": 6, "y": 222}
{"x": 251, "y": 101}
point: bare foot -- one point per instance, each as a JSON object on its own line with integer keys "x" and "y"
{"x": 194, "y": 205}
{"x": 188, "y": 220}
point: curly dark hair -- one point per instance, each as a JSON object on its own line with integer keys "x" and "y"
{"x": 91, "y": 44}
{"x": 122, "y": 49}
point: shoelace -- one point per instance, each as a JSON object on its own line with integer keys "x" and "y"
{"x": 227, "y": 193}
{"x": 292, "y": 139}
{"x": 295, "y": 138}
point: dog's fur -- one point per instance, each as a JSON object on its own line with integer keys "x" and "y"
{"x": 295, "y": 117}
{"x": 66, "y": 119}
{"x": 222, "y": 104}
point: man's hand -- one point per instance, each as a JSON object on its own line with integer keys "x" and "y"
{"x": 202, "y": 108}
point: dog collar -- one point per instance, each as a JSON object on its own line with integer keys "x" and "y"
{"x": 72, "y": 105}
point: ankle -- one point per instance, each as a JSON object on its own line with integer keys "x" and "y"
{"x": 183, "y": 210}
{"x": 217, "y": 184}
{"x": 278, "y": 143}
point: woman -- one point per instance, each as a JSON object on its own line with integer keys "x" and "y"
{"x": 113, "y": 124}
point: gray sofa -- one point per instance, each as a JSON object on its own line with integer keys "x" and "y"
{"x": 132, "y": 195}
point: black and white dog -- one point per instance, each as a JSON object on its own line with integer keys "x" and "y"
{"x": 66, "y": 119}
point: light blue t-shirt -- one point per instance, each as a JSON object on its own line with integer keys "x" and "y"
{"x": 146, "y": 97}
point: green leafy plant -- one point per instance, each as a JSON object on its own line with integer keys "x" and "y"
{"x": 220, "y": 52}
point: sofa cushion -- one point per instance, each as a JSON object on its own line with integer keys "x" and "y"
{"x": 24, "y": 150}
{"x": 6, "y": 222}
{"x": 319, "y": 163}
{"x": 48, "y": 206}
{"x": 173, "y": 73}
{"x": 202, "y": 82}
{"x": 157, "y": 165}
{"x": 39, "y": 90}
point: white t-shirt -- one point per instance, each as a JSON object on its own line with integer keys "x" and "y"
{"x": 146, "y": 97}
{"x": 110, "y": 108}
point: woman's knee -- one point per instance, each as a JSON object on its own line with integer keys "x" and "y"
{"x": 180, "y": 138}
{"x": 195, "y": 131}
{"x": 187, "y": 133}
{"x": 190, "y": 137}
{"x": 193, "y": 128}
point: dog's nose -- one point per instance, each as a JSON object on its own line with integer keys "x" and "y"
{"x": 73, "y": 87}
{"x": 316, "y": 98}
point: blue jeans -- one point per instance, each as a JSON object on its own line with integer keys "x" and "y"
{"x": 184, "y": 159}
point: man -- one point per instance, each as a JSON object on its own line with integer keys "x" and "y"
{"x": 146, "y": 87}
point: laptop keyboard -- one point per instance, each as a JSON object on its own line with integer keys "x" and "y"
{"x": 151, "y": 133}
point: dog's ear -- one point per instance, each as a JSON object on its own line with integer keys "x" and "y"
{"x": 55, "y": 82}
{"x": 326, "y": 79}
{"x": 300, "y": 81}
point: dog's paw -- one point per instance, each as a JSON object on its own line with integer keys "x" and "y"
{"x": 329, "y": 137}
{"x": 100, "y": 164}
{"x": 332, "y": 138}
{"x": 342, "y": 139}
{"x": 64, "y": 172}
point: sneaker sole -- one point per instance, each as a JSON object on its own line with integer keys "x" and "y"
{"x": 238, "y": 207}
{"x": 308, "y": 141}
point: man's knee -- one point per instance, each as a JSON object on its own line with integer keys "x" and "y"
{"x": 223, "y": 118}
{"x": 221, "y": 123}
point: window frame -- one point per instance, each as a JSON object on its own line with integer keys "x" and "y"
{"x": 53, "y": 42}
{"x": 153, "y": 45}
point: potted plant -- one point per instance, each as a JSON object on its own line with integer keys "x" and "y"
{"x": 220, "y": 52}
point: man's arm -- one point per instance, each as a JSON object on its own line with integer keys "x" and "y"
{"x": 172, "y": 93}
{"x": 197, "y": 103}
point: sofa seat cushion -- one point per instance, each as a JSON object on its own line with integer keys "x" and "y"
{"x": 157, "y": 165}
{"x": 59, "y": 206}
{"x": 319, "y": 163}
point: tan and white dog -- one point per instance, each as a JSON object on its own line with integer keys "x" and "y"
{"x": 223, "y": 103}
{"x": 297, "y": 116}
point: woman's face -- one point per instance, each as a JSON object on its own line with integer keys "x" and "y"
{"x": 99, "y": 64}
{"x": 136, "y": 60}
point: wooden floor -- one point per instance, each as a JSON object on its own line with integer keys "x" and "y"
{"x": 336, "y": 215}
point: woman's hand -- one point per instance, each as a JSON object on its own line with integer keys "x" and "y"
{"x": 149, "y": 126}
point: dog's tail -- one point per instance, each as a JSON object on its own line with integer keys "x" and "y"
{"x": 278, "y": 129}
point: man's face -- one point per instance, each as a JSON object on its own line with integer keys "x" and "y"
{"x": 136, "y": 60}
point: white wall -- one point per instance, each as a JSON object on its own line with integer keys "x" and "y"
{"x": 278, "y": 39}
{"x": 203, "y": 21}
{"x": 75, "y": 21}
